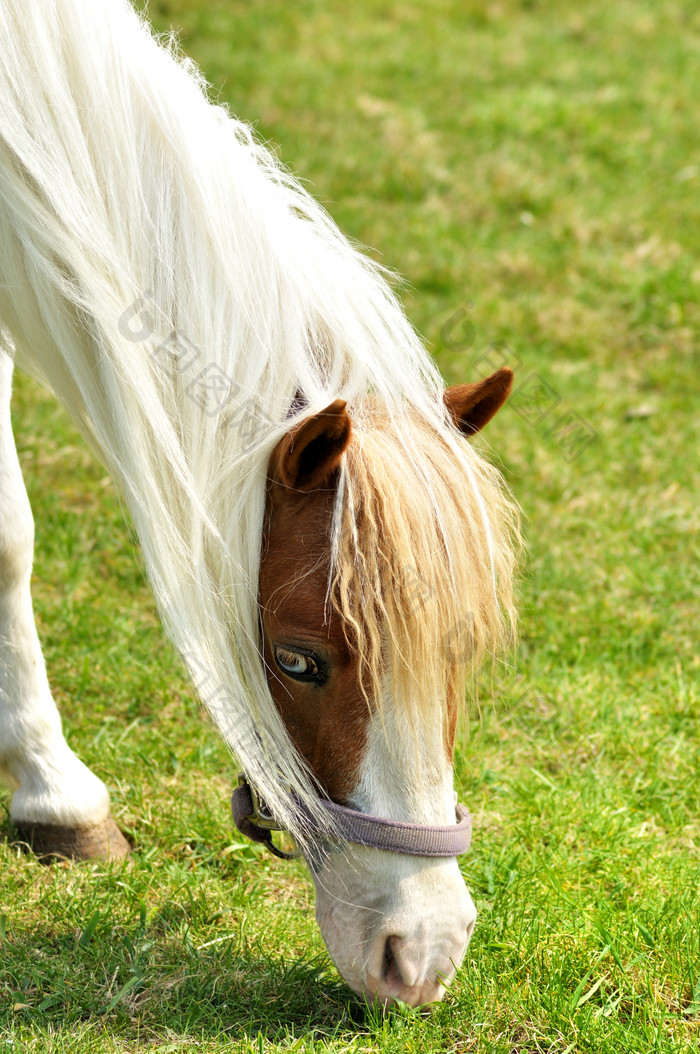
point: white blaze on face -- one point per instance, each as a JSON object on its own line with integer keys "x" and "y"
{"x": 396, "y": 926}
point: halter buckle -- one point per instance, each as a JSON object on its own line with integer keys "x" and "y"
{"x": 260, "y": 814}
{"x": 258, "y": 823}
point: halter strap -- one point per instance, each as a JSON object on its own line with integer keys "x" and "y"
{"x": 254, "y": 820}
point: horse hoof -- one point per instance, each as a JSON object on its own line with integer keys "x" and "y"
{"x": 49, "y": 842}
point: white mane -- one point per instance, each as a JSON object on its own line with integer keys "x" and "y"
{"x": 176, "y": 288}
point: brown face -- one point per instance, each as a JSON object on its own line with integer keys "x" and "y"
{"x": 311, "y": 670}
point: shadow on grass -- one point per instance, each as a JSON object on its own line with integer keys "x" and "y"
{"x": 145, "y": 974}
{"x": 49, "y": 981}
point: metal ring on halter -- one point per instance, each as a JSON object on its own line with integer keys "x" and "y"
{"x": 254, "y": 819}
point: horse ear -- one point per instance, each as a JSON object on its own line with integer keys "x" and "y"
{"x": 471, "y": 406}
{"x": 308, "y": 456}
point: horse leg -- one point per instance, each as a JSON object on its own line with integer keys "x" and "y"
{"x": 58, "y": 807}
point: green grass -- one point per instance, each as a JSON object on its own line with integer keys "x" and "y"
{"x": 537, "y": 169}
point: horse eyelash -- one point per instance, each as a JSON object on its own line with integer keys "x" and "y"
{"x": 318, "y": 679}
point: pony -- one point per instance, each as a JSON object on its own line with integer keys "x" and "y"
{"x": 328, "y": 552}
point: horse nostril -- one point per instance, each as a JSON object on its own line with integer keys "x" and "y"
{"x": 390, "y": 971}
{"x": 398, "y": 970}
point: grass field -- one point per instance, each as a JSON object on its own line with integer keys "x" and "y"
{"x": 534, "y": 172}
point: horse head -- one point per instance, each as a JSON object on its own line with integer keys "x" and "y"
{"x": 378, "y": 592}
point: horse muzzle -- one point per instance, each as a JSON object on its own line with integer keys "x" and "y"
{"x": 397, "y": 927}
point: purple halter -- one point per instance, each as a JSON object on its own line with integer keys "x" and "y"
{"x": 254, "y": 820}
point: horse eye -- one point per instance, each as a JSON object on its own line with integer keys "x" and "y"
{"x": 298, "y": 664}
